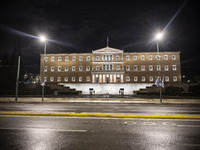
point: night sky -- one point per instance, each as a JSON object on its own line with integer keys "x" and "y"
{"x": 84, "y": 25}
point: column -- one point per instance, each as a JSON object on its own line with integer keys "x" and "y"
{"x": 111, "y": 80}
{"x": 100, "y": 78}
{"x": 122, "y": 78}
{"x": 93, "y": 78}
{"x": 114, "y": 78}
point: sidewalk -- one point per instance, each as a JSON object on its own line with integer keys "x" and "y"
{"x": 102, "y": 100}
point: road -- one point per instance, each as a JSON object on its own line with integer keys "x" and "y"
{"x": 155, "y": 109}
{"x": 55, "y": 133}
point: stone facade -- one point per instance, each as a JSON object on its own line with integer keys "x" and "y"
{"x": 111, "y": 66}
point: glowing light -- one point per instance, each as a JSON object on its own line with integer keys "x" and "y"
{"x": 159, "y": 36}
{"x": 43, "y": 38}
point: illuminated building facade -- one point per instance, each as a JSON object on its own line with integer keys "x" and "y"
{"x": 108, "y": 69}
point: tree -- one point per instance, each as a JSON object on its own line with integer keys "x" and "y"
{"x": 197, "y": 78}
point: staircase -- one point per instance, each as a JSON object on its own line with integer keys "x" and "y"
{"x": 62, "y": 89}
{"x": 148, "y": 90}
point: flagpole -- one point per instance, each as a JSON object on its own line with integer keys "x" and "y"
{"x": 107, "y": 41}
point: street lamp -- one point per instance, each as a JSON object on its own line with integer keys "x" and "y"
{"x": 159, "y": 36}
{"x": 43, "y": 39}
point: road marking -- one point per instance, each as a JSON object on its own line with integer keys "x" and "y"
{"x": 57, "y": 130}
{"x": 190, "y": 126}
{"x": 149, "y": 123}
{"x": 169, "y": 123}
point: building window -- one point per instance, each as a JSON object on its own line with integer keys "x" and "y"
{"x": 66, "y": 79}
{"x": 88, "y": 58}
{"x": 59, "y": 68}
{"x": 73, "y": 68}
{"x": 73, "y": 79}
{"x": 117, "y": 67}
{"x": 167, "y": 78}
{"x": 88, "y": 79}
{"x": 59, "y": 58}
{"x": 127, "y": 57}
{"x": 104, "y": 67}
{"x": 45, "y": 68}
{"x": 150, "y": 68}
{"x": 80, "y": 58}
{"x": 142, "y": 68}
{"x": 158, "y": 57}
{"x": 52, "y": 59}
{"x": 46, "y": 59}
{"x": 135, "y": 79}
{"x": 174, "y": 67}
{"x": 111, "y": 67}
{"x": 142, "y": 57}
{"x": 111, "y": 57}
{"x": 117, "y": 57}
{"x": 128, "y": 79}
{"x": 150, "y": 57}
{"x": 143, "y": 78}
{"x": 151, "y": 79}
{"x": 135, "y": 67}
{"x": 173, "y": 57}
{"x": 80, "y": 79}
{"x": 59, "y": 79}
{"x": 45, "y": 79}
{"x": 74, "y": 58}
{"x": 127, "y": 68}
{"x": 51, "y": 79}
{"x": 166, "y": 67}
{"x": 97, "y": 58}
{"x": 52, "y": 69}
{"x": 97, "y": 68}
{"x": 66, "y": 69}
{"x": 107, "y": 67}
{"x": 158, "y": 68}
{"x": 104, "y": 57}
{"x": 80, "y": 68}
{"x": 166, "y": 57}
{"x": 108, "y": 57}
{"x": 134, "y": 57}
{"x": 66, "y": 58}
{"x": 88, "y": 68}
{"x": 175, "y": 78}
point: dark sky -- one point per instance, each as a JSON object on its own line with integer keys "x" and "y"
{"x": 83, "y": 26}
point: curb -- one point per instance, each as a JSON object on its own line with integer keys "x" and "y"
{"x": 99, "y": 115}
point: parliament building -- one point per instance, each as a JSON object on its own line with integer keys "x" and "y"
{"x": 108, "y": 70}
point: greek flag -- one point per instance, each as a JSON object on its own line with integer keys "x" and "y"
{"x": 157, "y": 82}
{"x": 162, "y": 83}
{"x": 42, "y": 83}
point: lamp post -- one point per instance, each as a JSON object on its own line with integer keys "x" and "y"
{"x": 43, "y": 39}
{"x": 158, "y": 38}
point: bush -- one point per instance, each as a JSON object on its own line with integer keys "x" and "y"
{"x": 38, "y": 90}
{"x": 194, "y": 89}
{"x": 173, "y": 90}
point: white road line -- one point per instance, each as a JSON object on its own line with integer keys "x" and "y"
{"x": 57, "y": 130}
{"x": 189, "y": 126}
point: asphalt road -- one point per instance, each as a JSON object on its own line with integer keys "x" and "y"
{"x": 55, "y": 133}
{"x": 152, "y": 109}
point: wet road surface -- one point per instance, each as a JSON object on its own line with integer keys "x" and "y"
{"x": 55, "y": 133}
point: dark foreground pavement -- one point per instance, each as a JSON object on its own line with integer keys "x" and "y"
{"x": 55, "y": 133}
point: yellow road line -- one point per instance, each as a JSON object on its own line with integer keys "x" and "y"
{"x": 99, "y": 115}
